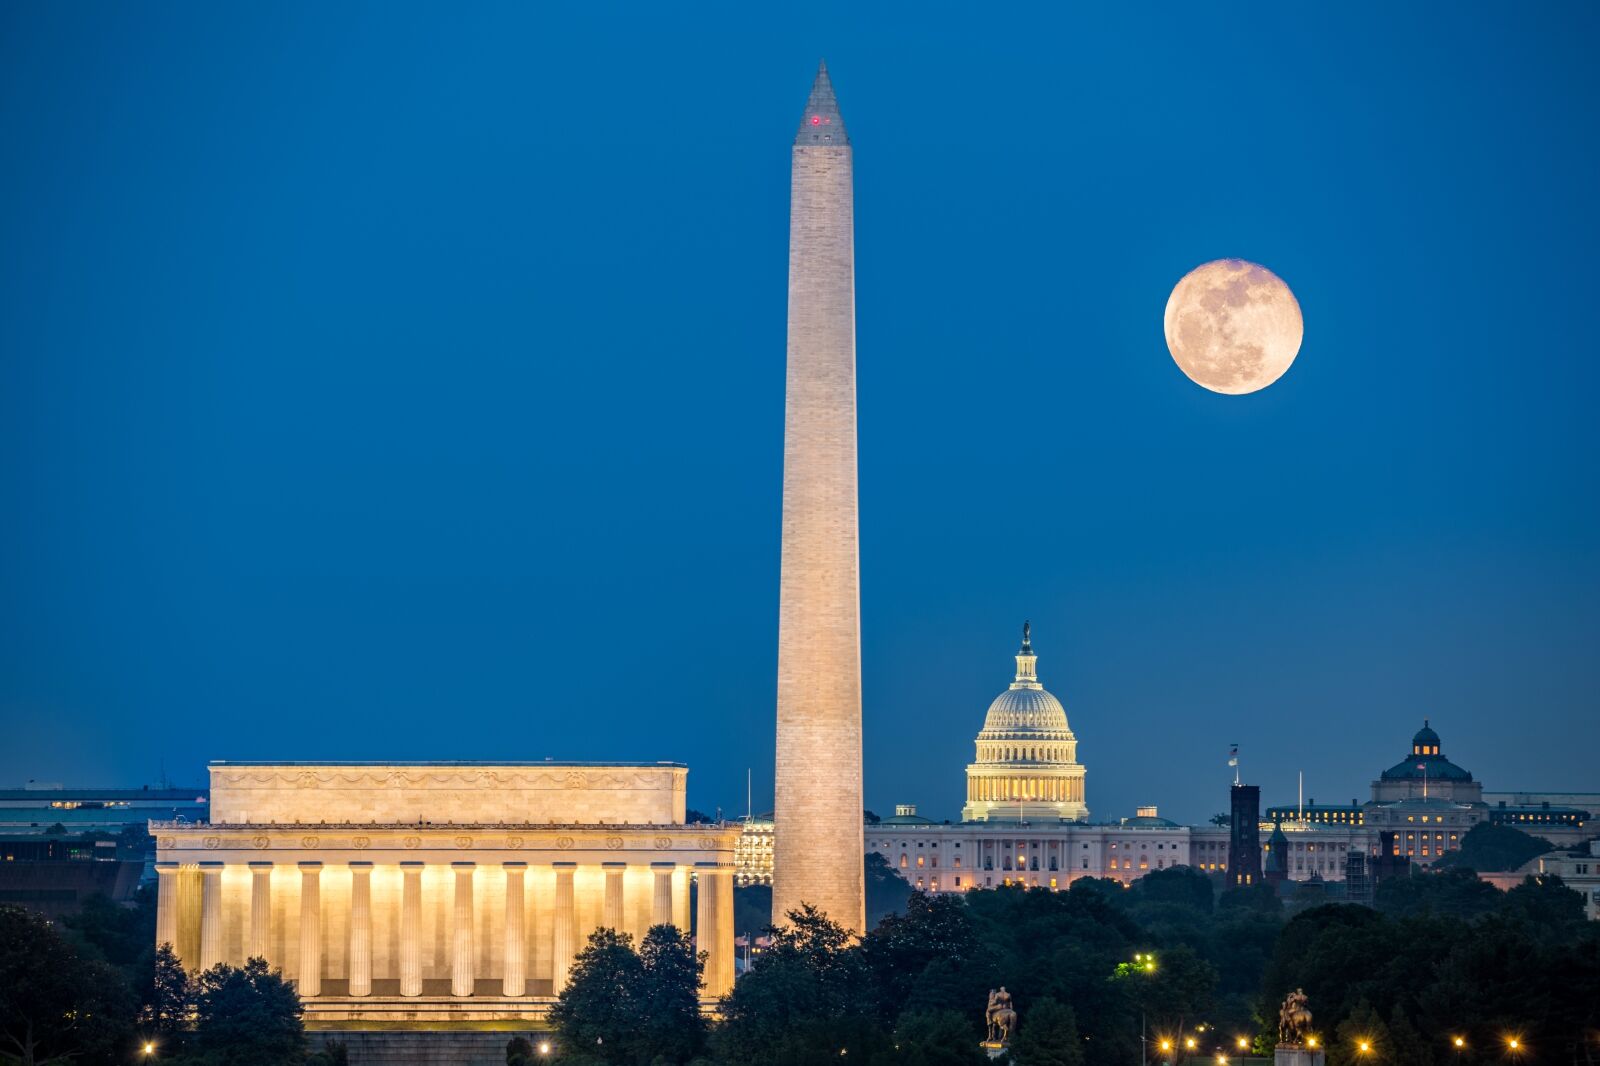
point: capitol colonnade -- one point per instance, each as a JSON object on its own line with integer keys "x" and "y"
{"x": 398, "y": 917}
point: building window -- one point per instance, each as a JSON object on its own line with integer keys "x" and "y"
{"x": 903, "y": 862}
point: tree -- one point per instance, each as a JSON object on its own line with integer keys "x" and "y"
{"x": 596, "y": 1012}
{"x": 246, "y": 1016}
{"x": 1544, "y": 901}
{"x": 694, "y": 817}
{"x": 669, "y": 1024}
{"x": 519, "y": 1051}
{"x": 1487, "y": 846}
{"x": 887, "y": 891}
{"x": 1408, "y": 1045}
{"x": 936, "y": 1038}
{"x": 934, "y": 929}
{"x": 170, "y": 1000}
{"x": 1048, "y": 1036}
{"x": 1177, "y": 884}
{"x": 54, "y": 1003}
{"x": 807, "y": 1000}
{"x": 1453, "y": 892}
{"x": 1362, "y": 1038}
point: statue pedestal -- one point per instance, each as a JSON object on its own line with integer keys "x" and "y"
{"x": 1295, "y": 1055}
{"x": 995, "y": 1049}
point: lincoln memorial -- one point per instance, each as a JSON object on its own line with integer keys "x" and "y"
{"x": 439, "y": 891}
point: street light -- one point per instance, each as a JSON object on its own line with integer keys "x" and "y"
{"x": 149, "y": 1048}
{"x": 544, "y": 1047}
{"x": 1459, "y": 1042}
{"x": 1364, "y": 1047}
{"x": 1241, "y": 1043}
{"x": 1188, "y": 1042}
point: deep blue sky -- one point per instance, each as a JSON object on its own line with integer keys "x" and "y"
{"x": 408, "y": 382}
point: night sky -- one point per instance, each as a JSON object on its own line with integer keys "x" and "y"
{"x": 407, "y": 382}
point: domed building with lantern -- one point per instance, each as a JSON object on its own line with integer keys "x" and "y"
{"x": 1027, "y": 767}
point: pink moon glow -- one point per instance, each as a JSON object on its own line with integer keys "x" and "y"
{"x": 1233, "y": 326}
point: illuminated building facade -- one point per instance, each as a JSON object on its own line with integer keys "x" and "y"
{"x": 442, "y": 891}
{"x": 1027, "y": 768}
{"x": 753, "y": 852}
{"x": 957, "y": 857}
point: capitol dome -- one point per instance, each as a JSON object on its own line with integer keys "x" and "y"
{"x": 1027, "y": 756}
{"x": 1023, "y": 708}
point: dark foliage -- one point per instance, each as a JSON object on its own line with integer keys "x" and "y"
{"x": 1050, "y": 1038}
{"x": 626, "y": 1007}
{"x": 55, "y": 1002}
{"x": 1494, "y": 847}
{"x": 245, "y": 1016}
{"x": 936, "y": 1038}
{"x": 887, "y": 891}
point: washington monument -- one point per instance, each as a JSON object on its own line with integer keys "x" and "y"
{"x": 818, "y": 849}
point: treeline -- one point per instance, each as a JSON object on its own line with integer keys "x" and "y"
{"x": 1098, "y": 968}
{"x": 1098, "y": 973}
{"x": 95, "y": 991}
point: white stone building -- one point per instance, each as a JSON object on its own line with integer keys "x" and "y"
{"x": 438, "y": 891}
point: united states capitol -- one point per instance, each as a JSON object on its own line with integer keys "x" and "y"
{"x": 1026, "y": 819}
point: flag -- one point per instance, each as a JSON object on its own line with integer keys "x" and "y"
{"x": 1233, "y": 755}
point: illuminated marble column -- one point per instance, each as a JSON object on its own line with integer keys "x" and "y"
{"x": 705, "y": 913}
{"x": 167, "y": 904}
{"x": 210, "y": 914}
{"x": 714, "y": 921}
{"x": 310, "y": 979}
{"x": 661, "y": 903}
{"x": 260, "y": 931}
{"x": 514, "y": 979}
{"x": 461, "y": 954}
{"x": 566, "y": 930}
{"x": 612, "y": 918}
{"x": 361, "y": 929}
{"x": 411, "y": 929}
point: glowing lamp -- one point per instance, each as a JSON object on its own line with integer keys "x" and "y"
{"x": 816, "y": 120}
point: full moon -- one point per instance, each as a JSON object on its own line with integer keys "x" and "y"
{"x": 1233, "y": 326}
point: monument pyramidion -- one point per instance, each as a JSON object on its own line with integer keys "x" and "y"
{"x": 818, "y": 846}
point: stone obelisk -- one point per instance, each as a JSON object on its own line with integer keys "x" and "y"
{"x": 818, "y": 847}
